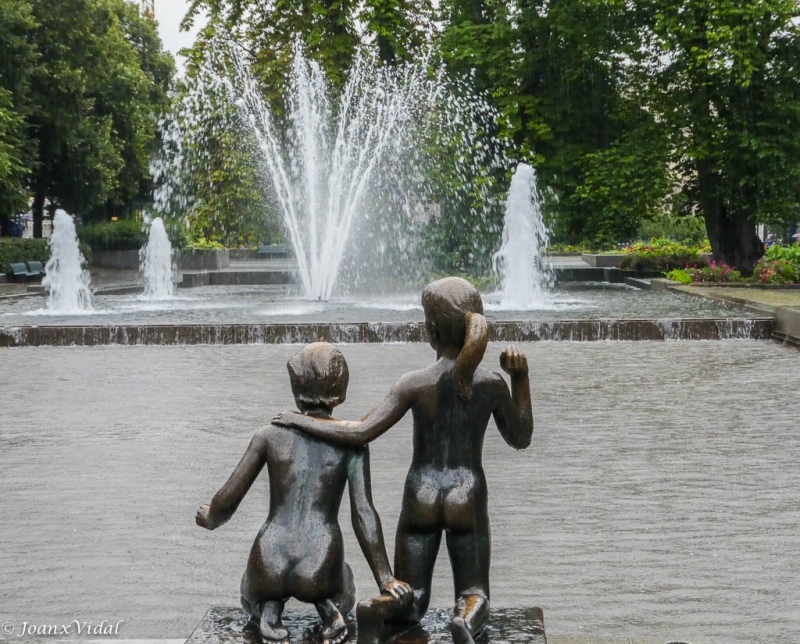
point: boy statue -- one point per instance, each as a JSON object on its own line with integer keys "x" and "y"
{"x": 299, "y": 550}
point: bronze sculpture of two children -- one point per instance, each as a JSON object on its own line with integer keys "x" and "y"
{"x": 445, "y": 491}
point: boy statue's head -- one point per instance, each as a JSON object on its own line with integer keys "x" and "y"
{"x": 319, "y": 377}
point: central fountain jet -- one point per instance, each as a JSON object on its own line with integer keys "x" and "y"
{"x": 354, "y": 171}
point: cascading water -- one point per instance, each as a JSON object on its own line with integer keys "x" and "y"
{"x": 67, "y": 284}
{"x": 526, "y": 278}
{"x": 349, "y": 175}
{"x": 155, "y": 263}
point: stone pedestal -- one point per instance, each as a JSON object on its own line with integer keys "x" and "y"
{"x": 229, "y": 626}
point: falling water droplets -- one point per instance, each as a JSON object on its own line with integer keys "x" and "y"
{"x": 155, "y": 263}
{"x": 67, "y": 284}
{"x": 343, "y": 169}
{"x": 526, "y": 277}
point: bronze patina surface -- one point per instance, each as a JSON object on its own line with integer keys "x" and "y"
{"x": 299, "y": 552}
{"x": 445, "y": 493}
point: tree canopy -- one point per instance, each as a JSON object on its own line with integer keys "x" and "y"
{"x": 724, "y": 76}
{"x": 630, "y": 110}
{"x": 84, "y": 88}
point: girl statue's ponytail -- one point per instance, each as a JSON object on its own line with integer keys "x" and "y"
{"x": 470, "y": 356}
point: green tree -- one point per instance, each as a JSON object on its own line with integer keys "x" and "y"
{"x": 207, "y": 175}
{"x": 135, "y": 119}
{"x": 480, "y": 42}
{"x": 597, "y": 146}
{"x": 399, "y": 27}
{"x": 17, "y": 61}
{"x": 229, "y": 202}
{"x": 93, "y": 91}
{"x": 269, "y": 29}
{"x": 726, "y": 84}
{"x": 330, "y": 31}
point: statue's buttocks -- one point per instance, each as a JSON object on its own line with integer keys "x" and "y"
{"x": 299, "y": 551}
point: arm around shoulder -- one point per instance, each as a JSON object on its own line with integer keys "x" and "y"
{"x": 348, "y": 433}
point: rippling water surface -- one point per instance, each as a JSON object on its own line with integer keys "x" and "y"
{"x": 658, "y": 499}
{"x": 260, "y": 304}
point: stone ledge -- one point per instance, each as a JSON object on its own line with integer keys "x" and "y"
{"x": 603, "y": 260}
{"x": 269, "y": 277}
{"x": 379, "y": 332}
{"x": 787, "y": 323}
{"x": 222, "y": 625}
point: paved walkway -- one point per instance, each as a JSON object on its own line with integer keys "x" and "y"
{"x": 759, "y": 299}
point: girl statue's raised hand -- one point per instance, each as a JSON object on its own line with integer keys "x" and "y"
{"x": 445, "y": 491}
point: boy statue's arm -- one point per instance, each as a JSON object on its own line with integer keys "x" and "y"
{"x": 230, "y": 495}
{"x": 367, "y": 526}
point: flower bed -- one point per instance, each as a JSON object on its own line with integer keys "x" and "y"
{"x": 780, "y": 266}
{"x": 663, "y": 255}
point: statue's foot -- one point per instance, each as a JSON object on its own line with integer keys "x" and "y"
{"x": 462, "y": 633}
{"x": 274, "y": 633}
{"x": 334, "y": 631}
{"x": 253, "y": 625}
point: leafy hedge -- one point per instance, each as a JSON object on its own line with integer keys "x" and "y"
{"x": 663, "y": 255}
{"x": 776, "y": 271}
{"x": 790, "y": 254}
{"x": 15, "y": 249}
{"x": 126, "y": 234}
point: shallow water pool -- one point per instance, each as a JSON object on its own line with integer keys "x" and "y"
{"x": 260, "y": 304}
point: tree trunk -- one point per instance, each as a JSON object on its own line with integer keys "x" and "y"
{"x": 5, "y": 226}
{"x": 732, "y": 235}
{"x": 386, "y": 50}
{"x": 734, "y": 240}
{"x": 38, "y": 214}
{"x": 477, "y": 7}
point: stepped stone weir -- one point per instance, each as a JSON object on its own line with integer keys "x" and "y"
{"x": 379, "y": 332}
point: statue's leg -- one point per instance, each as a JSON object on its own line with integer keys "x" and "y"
{"x": 383, "y": 616}
{"x": 414, "y": 558}
{"x": 470, "y": 555}
{"x": 345, "y": 599}
{"x": 271, "y": 627}
{"x": 253, "y": 609}
{"x": 373, "y": 613}
{"x": 334, "y": 628}
{"x": 469, "y": 617}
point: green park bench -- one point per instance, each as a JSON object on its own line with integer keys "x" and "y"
{"x": 20, "y": 272}
{"x": 37, "y": 268}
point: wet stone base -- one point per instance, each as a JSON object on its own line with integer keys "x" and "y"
{"x": 229, "y": 626}
{"x": 378, "y": 332}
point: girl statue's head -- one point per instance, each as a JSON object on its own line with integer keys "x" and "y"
{"x": 454, "y": 318}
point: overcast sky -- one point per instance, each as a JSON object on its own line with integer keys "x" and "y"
{"x": 169, "y": 14}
